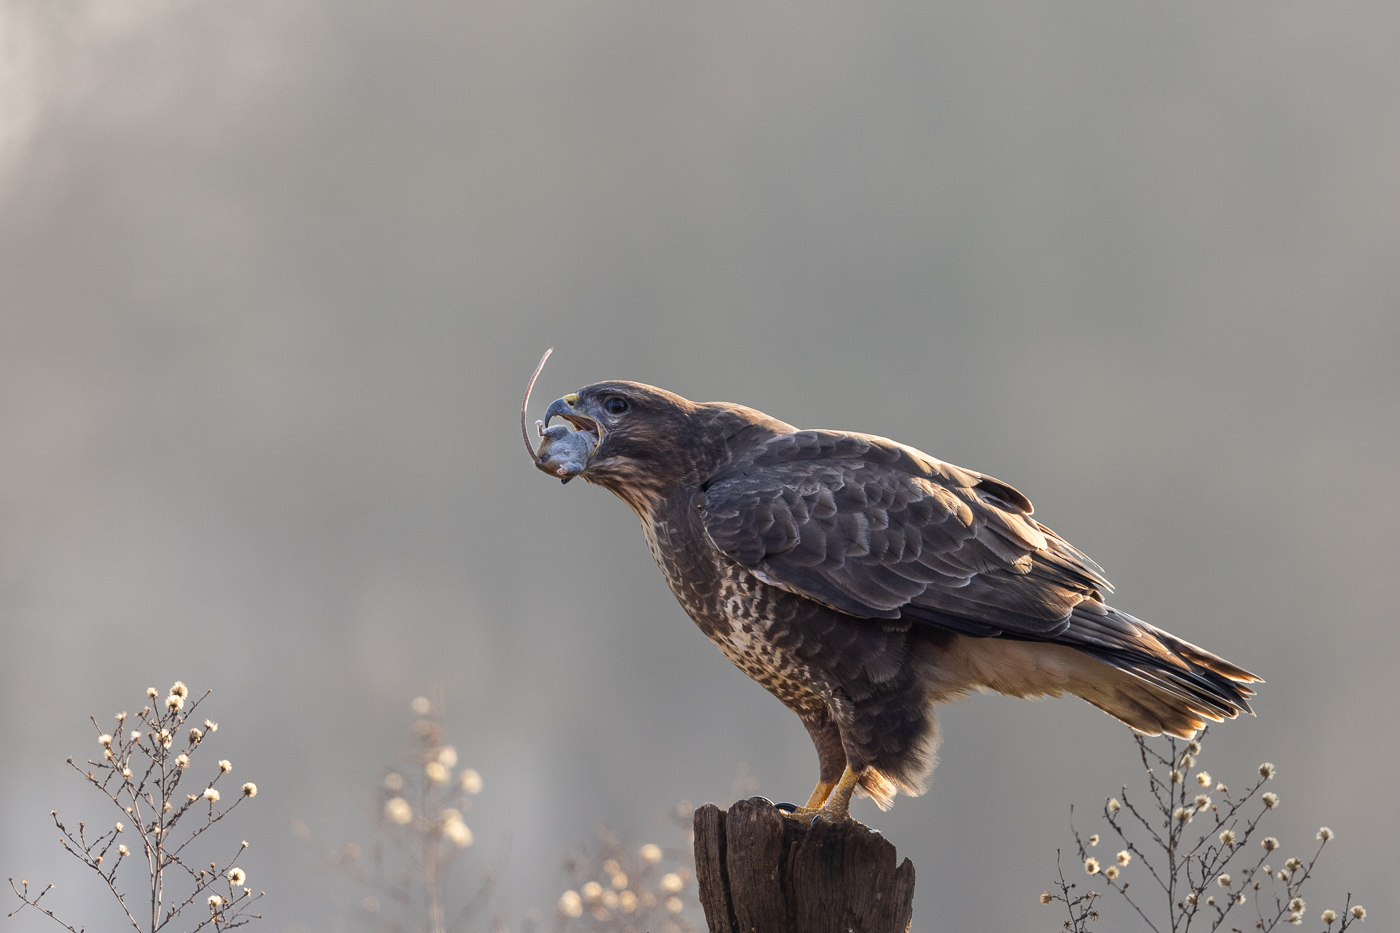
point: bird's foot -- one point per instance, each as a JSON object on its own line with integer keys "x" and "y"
{"x": 810, "y": 814}
{"x": 828, "y": 801}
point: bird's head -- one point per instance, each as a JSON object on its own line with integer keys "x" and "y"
{"x": 643, "y": 440}
{"x": 635, "y": 433}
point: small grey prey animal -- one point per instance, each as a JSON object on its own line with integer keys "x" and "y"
{"x": 862, "y": 582}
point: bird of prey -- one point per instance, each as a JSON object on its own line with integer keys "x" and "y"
{"x": 862, "y": 582}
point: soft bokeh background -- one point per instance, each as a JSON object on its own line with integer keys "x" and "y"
{"x": 272, "y": 277}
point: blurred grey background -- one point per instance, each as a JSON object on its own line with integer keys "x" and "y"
{"x": 272, "y": 277}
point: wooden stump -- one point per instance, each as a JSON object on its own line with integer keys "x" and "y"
{"x": 761, "y": 872}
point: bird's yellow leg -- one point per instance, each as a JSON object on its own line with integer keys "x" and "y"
{"x": 838, "y": 802}
{"x": 819, "y": 795}
{"x": 831, "y": 801}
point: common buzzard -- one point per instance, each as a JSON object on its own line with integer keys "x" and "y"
{"x": 862, "y": 581}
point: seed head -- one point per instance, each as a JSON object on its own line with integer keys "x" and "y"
{"x": 211, "y": 794}
{"x": 672, "y": 883}
{"x": 1193, "y": 898}
{"x": 120, "y": 827}
{"x": 394, "y": 781}
{"x": 437, "y": 773}
{"x": 651, "y": 853}
{"x": 1328, "y": 917}
{"x": 1176, "y": 777}
{"x": 152, "y": 692}
{"x": 570, "y": 904}
{"x": 1091, "y": 866}
{"x": 628, "y": 901}
{"x": 236, "y": 877}
{"x": 1324, "y": 834}
{"x": 1203, "y": 778}
{"x": 1183, "y": 814}
{"x": 448, "y": 756}
{"x": 1045, "y": 898}
{"x": 123, "y": 850}
{"x": 1269, "y": 843}
{"x": 1267, "y": 771}
{"x": 1094, "y": 839}
{"x": 104, "y": 740}
{"x": 1359, "y": 912}
{"x": 1113, "y": 805}
{"x": 1295, "y": 919}
{"x": 1282, "y": 875}
{"x": 1223, "y": 881}
{"x": 121, "y": 717}
{"x": 215, "y": 902}
{"x": 1202, "y": 802}
{"x": 135, "y": 735}
{"x": 195, "y": 736}
{"x": 421, "y": 706}
{"x": 398, "y": 810}
{"x": 1270, "y": 800}
{"x": 592, "y": 891}
{"x": 674, "y": 905}
{"x": 1296, "y": 905}
{"x": 211, "y": 726}
{"x": 1193, "y": 747}
{"x": 180, "y": 690}
{"x": 471, "y": 781}
{"x": 1187, "y": 761}
{"x": 224, "y": 766}
{"x": 250, "y": 789}
{"x": 1111, "y": 872}
{"x": 182, "y": 761}
{"x": 1227, "y": 838}
{"x": 1124, "y": 858}
{"x": 458, "y": 832}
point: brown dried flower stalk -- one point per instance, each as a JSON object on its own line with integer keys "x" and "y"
{"x": 1190, "y": 842}
{"x": 619, "y": 889}
{"x": 146, "y": 772}
{"x": 420, "y": 832}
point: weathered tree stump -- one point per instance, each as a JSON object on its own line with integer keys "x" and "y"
{"x": 760, "y": 872}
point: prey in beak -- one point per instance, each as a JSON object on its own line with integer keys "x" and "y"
{"x": 566, "y": 453}
{"x": 563, "y": 453}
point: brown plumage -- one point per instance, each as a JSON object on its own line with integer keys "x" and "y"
{"x": 862, "y": 581}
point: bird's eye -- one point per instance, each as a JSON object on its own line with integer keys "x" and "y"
{"x": 616, "y": 406}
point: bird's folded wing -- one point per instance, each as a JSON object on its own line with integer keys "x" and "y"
{"x": 879, "y": 530}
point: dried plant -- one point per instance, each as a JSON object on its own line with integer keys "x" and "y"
{"x": 617, "y": 891}
{"x": 144, "y": 770}
{"x": 420, "y": 832}
{"x": 1207, "y": 877}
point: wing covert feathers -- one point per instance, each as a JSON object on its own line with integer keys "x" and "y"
{"x": 879, "y": 530}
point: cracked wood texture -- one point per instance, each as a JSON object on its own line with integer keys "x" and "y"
{"x": 760, "y": 872}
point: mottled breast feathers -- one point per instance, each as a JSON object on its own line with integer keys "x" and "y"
{"x": 879, "y": 530}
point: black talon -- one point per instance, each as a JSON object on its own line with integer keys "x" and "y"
{"x": 787, "y": 807}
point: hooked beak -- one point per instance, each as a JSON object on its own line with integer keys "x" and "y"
{"x": 566, "y": 408}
